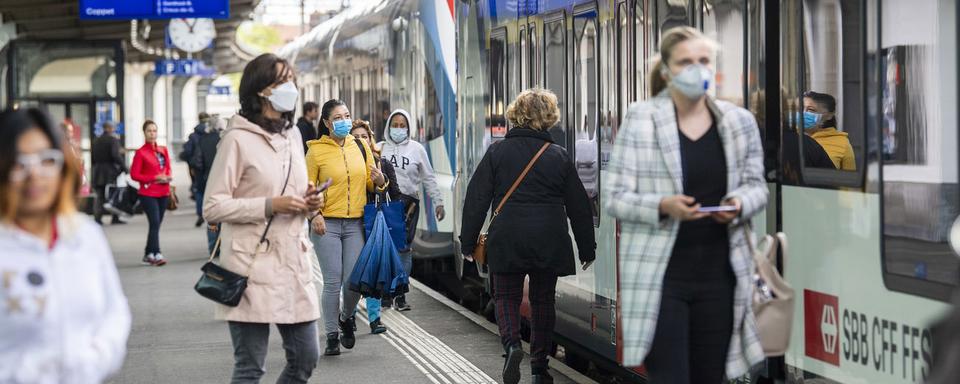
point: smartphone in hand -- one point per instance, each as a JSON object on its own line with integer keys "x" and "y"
{"x": 718, "y": 208}
{"x": 323, "y": 187}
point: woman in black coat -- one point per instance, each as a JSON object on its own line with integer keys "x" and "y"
{"x": 530, "y": 236}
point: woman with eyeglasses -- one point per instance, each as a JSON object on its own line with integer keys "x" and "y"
{"x": 63, "y": 315}
{"x": 151, "y": 168}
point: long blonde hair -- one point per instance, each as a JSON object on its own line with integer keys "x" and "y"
{"x": 670, "y": 40}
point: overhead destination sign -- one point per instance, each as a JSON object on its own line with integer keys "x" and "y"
{"x": 153, "y": 9}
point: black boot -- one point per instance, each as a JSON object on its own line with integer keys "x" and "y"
{"x": 333, "y": 344}
{"x": 511, "y": 365}
{"x": 540, "y": 374}
{"x": 347, "y": 328}
{"x": 400, "y": 303}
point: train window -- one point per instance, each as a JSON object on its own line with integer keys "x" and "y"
{"x": 723, "y": 21}
{"x": 513, "y": 60}
{"x": 642, "y": 46}
{"x": 497, "y": 65}
{"x": 918, "y": 146}
{"x": 672, "y": 14}
{"x": 586, "y": 95}
{"x": 432, "y": 123}
{"x": 523, "y": 58}
{"x": 533, "y": 60}
{"x": 555, "y": 69}
{"x": 624, "y": 89}
{"x": 831, "y": 109}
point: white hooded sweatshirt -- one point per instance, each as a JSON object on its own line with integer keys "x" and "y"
{"x": 411, "y": 162}
{"x": 63, "y": 315}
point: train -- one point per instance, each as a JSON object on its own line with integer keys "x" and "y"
{"x": 869, "y": 255}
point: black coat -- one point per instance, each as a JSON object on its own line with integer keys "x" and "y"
{"x": 203, "y": 155}
{"x": 308, "y": 131}
{"x": 531, "y": 234}
{"x": 107, "y": 160}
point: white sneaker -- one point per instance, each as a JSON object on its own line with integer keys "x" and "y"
{"x": 149, "y": 259}
{"x": 158, "y": 259}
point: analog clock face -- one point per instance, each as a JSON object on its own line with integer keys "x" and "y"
{"x": 192, "y": 35}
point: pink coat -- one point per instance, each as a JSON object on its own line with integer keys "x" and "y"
{"x": 250, "y": 166}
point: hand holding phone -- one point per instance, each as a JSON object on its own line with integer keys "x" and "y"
{"x": 323, "y": 187}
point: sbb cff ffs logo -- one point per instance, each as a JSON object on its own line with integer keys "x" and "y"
{"x": 883, "y": 345}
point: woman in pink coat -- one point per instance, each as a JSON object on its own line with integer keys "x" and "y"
{"x": 260, "y": 174}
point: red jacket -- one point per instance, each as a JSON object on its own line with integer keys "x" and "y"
{"x": 146, "y": 167}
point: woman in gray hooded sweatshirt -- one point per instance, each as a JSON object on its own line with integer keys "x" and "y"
{"x": 413, "y": 168}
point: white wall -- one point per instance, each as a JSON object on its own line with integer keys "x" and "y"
{"x": 133, "y": 103}
{"x": 188, "y": 106}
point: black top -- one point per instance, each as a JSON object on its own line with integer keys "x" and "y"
{"x": 701, "y": 252}
{"x": 107, "y": 160}
{"x": 705, "y": 179}
{"x": 531, "y": 234}
{"x": 307, "y": 131}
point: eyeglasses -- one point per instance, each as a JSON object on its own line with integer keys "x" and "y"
{"x": 46, "y": 164}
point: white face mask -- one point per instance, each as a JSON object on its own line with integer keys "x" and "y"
{"x": 284, "y": 97}
{"x": 692, "y": 81}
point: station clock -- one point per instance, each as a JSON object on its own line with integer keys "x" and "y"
{"x": 191, "y": 35}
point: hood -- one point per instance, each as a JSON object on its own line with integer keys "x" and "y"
{"x": 411, "y": 125}
{"x": 829, "y": 133}
{"x": 241, "y": 123}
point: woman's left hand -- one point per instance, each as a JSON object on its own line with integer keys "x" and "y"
{"x": 440, "y": 213}
{"x": 377, "y": 176}
{"x": 319, "y": 225}
{"x": 728, "y": 216}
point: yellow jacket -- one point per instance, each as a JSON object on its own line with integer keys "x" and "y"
{"x": 837, "y": 145}
{"x": 351, "y": 175}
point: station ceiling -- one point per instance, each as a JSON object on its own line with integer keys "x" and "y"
{"x": 60, "y": 20}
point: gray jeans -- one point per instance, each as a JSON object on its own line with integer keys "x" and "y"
{"x": 250, "y": 351}
{"x": 338, "y": 251}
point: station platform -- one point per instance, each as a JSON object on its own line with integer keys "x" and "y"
{"x": 175, "y": 339}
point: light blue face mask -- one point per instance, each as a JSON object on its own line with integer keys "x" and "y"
{"x": 398, "y": 135}
{"x": 810, "y": 119}
{"x": 341, "y": 128}
{"x": 692, "y": 81}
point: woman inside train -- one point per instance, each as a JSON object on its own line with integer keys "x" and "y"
{"x": 820, "y": 123}
{"x": 685, "y": 178}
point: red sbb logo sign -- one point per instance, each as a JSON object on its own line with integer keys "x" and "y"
{"x": 821, "y": 330}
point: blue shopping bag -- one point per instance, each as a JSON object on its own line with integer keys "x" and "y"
{"x": 379, "y": 271}
{"x": 393, "y": 213}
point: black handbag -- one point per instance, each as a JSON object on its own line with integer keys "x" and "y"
{"x": 222, "y": 285}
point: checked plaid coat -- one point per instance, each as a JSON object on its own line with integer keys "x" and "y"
{"x": 644, "y": 168}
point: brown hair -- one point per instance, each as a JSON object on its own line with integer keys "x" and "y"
{"x": 147, "y": 123}
{"x": 535, "y": 108}
{"x": 17, "y": 122}
{"x": 670, "y": 40}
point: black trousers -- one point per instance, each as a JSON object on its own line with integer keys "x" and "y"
{"x": 695, "y": 322}
{"x": 154, "y": 208}
{"x": 101, "y": 192}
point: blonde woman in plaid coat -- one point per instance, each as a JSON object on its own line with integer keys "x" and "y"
{"x": 685, "y": 274}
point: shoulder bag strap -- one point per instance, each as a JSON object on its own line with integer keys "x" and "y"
{"x": 523, "y": 174}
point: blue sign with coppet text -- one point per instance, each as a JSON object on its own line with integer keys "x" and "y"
{"x": 153, "y": 9}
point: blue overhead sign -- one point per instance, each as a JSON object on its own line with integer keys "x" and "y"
{"x": 154, "y": 9}
{"x": 183, "y": 67}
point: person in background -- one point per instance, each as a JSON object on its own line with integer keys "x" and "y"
{"x": 108, "y": 164}
{"x": 338, "y": 234}
{"x": 202, "y": 161}
{"x": 187, "y": 154}
{"x": 308, "y": 123}
{"x": 63, "y": 314}
{"x": 151, "y": 168}
{"x": 820, "y": 122}
{"x": 262, "y": 148}
{"x": 69, "y": 131}
{"x": 686, "y": 275}
{"x": 413, "y": 168}
{"x": 530, "y": 235}
{"x": 361, "y": 130}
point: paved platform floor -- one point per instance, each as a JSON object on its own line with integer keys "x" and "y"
{"x": 175, "y": 339}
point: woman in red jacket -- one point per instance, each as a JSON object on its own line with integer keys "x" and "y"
{"x": 151, "y": 168}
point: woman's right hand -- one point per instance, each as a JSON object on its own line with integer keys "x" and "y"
{"x": 319, "y": 225}
{"x": 162, "y": 179}
{"x": 681, "y": 207}
{"x": 288, "y": 204}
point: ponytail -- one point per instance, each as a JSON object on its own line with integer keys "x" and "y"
{"x": 657, "y": 81}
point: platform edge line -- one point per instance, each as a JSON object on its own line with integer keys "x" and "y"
{"x": 555, "y": 365}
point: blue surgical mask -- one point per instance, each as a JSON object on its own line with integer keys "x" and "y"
{"x": 341, "y": 128}
{"x": 692, "y": 81}
{"x": 810, "y": 119}
{"x": 398, "y": 135}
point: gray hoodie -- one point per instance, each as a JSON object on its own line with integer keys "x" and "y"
{"x": 410, "y": 160}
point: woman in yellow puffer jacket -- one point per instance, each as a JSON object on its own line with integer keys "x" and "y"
{"x": 338, "y": 228}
